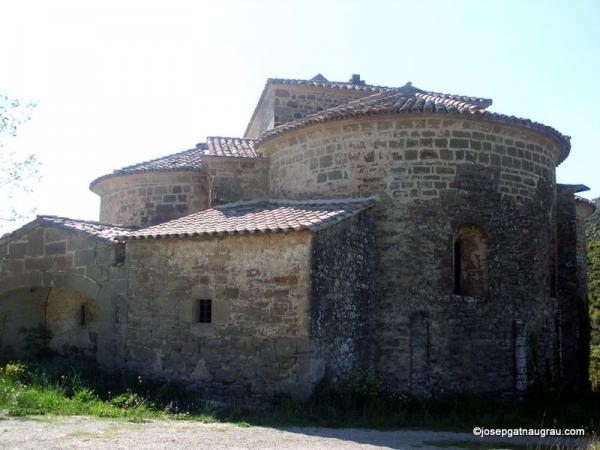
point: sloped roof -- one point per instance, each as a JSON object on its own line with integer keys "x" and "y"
{"x": 99, "y": 230}
{"x": 322, "y": 82}
{"x": 409, "y": 99}
{"x": 230, "y": 147}
{"x": 584, "y": 201}
{"x": 257, "y": 217}
{"x": 186, "y": 160}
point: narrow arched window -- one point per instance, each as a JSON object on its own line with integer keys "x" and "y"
{"x": 470, "y": 262}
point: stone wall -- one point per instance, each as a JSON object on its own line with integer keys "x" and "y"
{"x": 20, "y": 309}
{"x": 259, "y": 340}
{"x": 284, "y": 103}
{"x": 573, "y": 316}
{"x": 263, "y": 118}
{"x": 407, "y": 159}
{"x": 149, "y": 198}
{"x": 52, "y": 272}
{"x": 342, "y": 290}
{"x": 235, "y": 179}
{"x": 73, "y": 318}
{"x": 435, "y": 176}
{"x": 293, "y": 102}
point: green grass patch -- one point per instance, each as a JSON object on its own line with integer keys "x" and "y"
{"x": 62, "y": 387}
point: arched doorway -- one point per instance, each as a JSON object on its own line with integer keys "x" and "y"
{"x": 70, "y": 316}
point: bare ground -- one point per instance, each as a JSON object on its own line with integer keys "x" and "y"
{"x": 77, "y": 432}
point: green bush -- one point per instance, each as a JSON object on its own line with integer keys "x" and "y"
{"x": 593, "y": 255}
{"x": 127, "y": 400}
{"x": 595, "y": 367}
{"x": 16, "y": 371}
{"x": 85, "y": 395}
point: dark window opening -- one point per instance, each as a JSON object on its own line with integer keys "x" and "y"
{"x": 120, "y": 253}
{"x": 552, "y": 269}
{"x": 82, "y": 316}
{"x": 457, "y": 268}
{"x": 205, "y": 311}
{"x": 470, "y": 262}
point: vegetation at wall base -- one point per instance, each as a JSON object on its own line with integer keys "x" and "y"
{"x": 593, "y": 255}
{"x": 63, "y": 387}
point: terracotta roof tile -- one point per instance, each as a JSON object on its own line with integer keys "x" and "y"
{"x": 408, "y": 99}
{"x": 99, "y": 230}
{"x": 324, "y": 83}
{"x": 189, "y": 160}
{"x": 230, "y": 147}
{"x": 258, "y": 217}
{"x": 590, "y": 203}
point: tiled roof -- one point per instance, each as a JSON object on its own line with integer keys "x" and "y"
{"x": 185, "y": 160}
{"x": 322, "y": 82}
{"x": 584, "y": 201}
{"x": 258, "y": 217}
{"x": 230, "y": 147}
{"x": 408, "y": 99}
{"x": 99, "y": 230}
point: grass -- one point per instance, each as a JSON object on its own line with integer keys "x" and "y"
{"x": 62, "y": 387}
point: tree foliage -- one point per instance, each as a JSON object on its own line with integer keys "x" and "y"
{"x": 17, "y": 172}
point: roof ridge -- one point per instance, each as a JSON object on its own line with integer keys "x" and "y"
{"x": 316, "y": 83}
{"x": 194, "y": 163}
{"x": 131, "y": 166}
{"x": 231, "y": 137}
{"x": 92, "y": 222}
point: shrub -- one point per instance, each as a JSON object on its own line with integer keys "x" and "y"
{"x": 85, "y": 395}
{"x": 127, "y": 400}
{"x": 595, "y": 367}
{"x": 16, "y": 371}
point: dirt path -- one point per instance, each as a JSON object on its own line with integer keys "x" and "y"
{"x": 85, "y": 432}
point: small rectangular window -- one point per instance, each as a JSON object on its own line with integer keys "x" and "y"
{"x": 205, "y": 311}
{"x": 82, "y": 316}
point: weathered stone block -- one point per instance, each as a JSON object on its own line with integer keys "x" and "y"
{"x": 56, "y": 248}
{"x": 17, "y": 249}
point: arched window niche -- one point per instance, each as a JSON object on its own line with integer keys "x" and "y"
{"x": 470, "y": 262}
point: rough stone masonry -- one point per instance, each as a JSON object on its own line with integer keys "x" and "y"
{"x": 354, "y": 227}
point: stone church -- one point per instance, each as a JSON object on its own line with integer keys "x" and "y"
{"x": 353, "y": 227}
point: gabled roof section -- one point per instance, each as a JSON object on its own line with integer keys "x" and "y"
{"x": 230, "y": 147}
{"x": 258, "y": 217}
{"x": 318, "y": 81}
{"x": 98, "y": 230}
{"x": 409, "y": 99}
{"x": 185, "y": 160}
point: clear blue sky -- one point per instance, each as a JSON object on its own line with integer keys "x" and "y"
{"x": 118, "y": 82}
